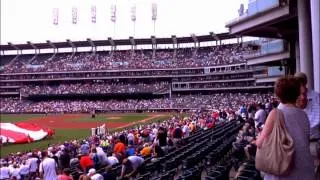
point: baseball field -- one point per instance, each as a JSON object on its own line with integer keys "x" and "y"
{"x": 74, "y": 126}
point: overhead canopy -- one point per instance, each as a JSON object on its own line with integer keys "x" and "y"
{"x": 118, "y": 42}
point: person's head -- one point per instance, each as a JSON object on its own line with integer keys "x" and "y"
{"x": 44, "y": 154}
{"x": 66, "y": 171}
{"x": 302, "y": 77}
{"x": 302, "y": 100}
{"x": 287, "y": 89}
{"x": 94, "y": 150}
{"x": 91, "y": 172}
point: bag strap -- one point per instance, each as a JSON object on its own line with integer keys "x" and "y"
{"x": 280, "y": 119}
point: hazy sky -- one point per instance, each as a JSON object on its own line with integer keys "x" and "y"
{"x": 32, "y": 20}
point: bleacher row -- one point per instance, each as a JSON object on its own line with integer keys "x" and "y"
{"x": 206, "y": 154}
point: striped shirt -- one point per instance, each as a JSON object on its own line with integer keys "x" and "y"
{"x": 313, "y": 112}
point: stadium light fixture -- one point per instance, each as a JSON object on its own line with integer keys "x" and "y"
{"x": 214, "y": 36}
{"x": 153, "y": 40}
{"x": 174, "y": 39}
{"x": 111, "y": 41}
{"x": 132, "y": 41}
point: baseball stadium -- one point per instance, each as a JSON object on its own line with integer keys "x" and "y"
{"x": 144, "y": 90}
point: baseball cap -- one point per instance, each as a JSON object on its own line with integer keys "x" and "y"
{"x": 91, "y": 171}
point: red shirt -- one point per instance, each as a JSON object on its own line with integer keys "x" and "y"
{"x": 119, "y": 148}
{"x": 64, "y": 177}
{"x": 85, "y": 162}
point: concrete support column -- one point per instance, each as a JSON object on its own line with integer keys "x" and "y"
{"x": 297, "y": 54}
{"x": 315, "y": 18}
{"x": 305, "y": 40}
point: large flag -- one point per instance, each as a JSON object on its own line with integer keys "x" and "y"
{"x": 93, "y": 14}
{"x": 19, "y": 133}
{"x": 55, "y": 16}
{"x": 74, "y": 15}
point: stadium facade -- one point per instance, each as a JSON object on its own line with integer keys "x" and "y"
{"x": 208, "y": 66}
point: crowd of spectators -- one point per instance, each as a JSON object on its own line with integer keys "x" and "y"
{"x": 223, "y": 101}
{"x": 86, "y": 156}
{"x": 127, "y": 59}
{"x": 94, "y": 88}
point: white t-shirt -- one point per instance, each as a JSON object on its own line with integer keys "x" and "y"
{"x": 186, "y": 130}
{"x": 130, "y": 137}
{"x": 97, "y": 177}
{"x": 155, "y": 131}
{"x": 33, "y": 162}
{"x": 24, "y": 169}
{"x": 102, "y": 156}
{"x": 136, "y": 161}
{"x": 260, "y": 116}
{"x": 15, "y": 172}
{"x": 112, "y": 160}
{"x": 4, "y": 173}
{"x": 48, "y": 167}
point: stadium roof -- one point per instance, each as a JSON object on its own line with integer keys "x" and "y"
{"x": 106, "y": 42}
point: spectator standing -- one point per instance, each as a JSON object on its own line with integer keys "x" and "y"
{"x": 24, "y": 170}
{"x": 4, "y": 171}
{"x": 33, "y": 163}
{"x": 15, "y": 172}
{"x": 48, "y": 167}
{"x": 260, "y": 116}
{"x": 296, "y": 121}
{"x": 84, "y": 148}
{"x": 312, "y": 108}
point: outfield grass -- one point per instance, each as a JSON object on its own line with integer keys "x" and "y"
{"x": 59, "y": 137}
{"x": 104, "y": 118}
{"x": 62, "y": 135}
{"x": 17, "y": 117}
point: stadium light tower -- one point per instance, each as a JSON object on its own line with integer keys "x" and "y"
{"x": 195, "y": 39}
{"x": 93, "y": 46}
{"x": 196, "y": 42}
{"x": 154, "y": 46}
{"x": 55, "y": 49}
{"x": 113, "y": 17}
{"x": 154, "y": 9}
{"x": 175, "y": 45}
{"x": 113, "y": 45}
{"x": 133, "y": 18}
{"x": 133, "y": 43}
